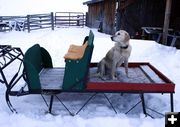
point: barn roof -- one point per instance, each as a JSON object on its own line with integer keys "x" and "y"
{"x": 92, "y": 1}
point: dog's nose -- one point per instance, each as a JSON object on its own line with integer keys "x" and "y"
{"x": 112, "y": 38}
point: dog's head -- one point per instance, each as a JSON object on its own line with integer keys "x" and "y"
{"x": 121, "y": 37}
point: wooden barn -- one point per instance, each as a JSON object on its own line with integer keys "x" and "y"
{"x": 101, "y": 15}
{"x": 131, "y": 15}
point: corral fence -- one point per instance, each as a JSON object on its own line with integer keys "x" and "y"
{"x": 69, "y": 19}
{"x": 12, "y": 23}
{"x": 42, "y": 21}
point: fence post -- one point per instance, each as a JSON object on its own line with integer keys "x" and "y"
{"x": 28, "y": 23}
{"x": 52, "y": 20}
{"x": 87, "y": 20}
{"x": 69, "y": 18}
{"x": 78, "y": 20}
{"x": 55, "y": 19}
{"x": 83, "y": 22}
{"x": 40, "y": 22}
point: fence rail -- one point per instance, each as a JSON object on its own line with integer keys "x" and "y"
{"x": 42, "y": 21}
{"x": 69, "y": 19}
{"x": 13, "y": 22}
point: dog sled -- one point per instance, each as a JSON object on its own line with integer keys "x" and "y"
{"x": 36, "y": 69}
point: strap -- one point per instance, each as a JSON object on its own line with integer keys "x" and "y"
{"x": 124, "y": 47}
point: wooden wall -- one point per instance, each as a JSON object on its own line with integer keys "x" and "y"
{"x": 132, "y": 15}
{"x": 175, "y": 15}
{"x": 142, "y": 13}
{"x": 109, "y": 16}
{"x": 94, "y": 14}
{"x": 102, "y": 12}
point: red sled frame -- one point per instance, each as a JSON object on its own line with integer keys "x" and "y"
{"x": 136, "y": 88}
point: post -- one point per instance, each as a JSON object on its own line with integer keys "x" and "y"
{"x": 40, "y": 22}
{"x": 28, "y": 23}
{"x": 52, "y": 20}
{"x": 166, "y": 21}
{"x": 69, "y": 18}
{"x": 118, "y": 17}
{"x": 78, "y": 20}
{"x": 83, "y": 20}
{"x": 87, "y": 19}
{"x": 172, "y": 104}
{"x": 51, "y": 103}
{"x": 143, "y": 104}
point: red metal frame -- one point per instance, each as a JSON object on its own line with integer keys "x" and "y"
{"x": 167, "y": 87}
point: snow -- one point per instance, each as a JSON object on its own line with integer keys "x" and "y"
{"x": 98, "y": 112}
{"x": 32, "y": 110}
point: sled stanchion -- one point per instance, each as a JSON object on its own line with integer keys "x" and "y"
{"x": 51, "y": 103}
{"x": 133, "y": 107}
{"x": 155, "y": 111}
{"x": 86, "y": 103}
{"x": 110, "y": 103}
{"x": 44, "y": 100}
{"x": 144, "y": 106}
{"x": 64, "y": 106}
{"x": 172, "y": 104}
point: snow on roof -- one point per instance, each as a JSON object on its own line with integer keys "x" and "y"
{"x": 92, "y": 2}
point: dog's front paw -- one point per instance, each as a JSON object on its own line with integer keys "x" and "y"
{"x": 128, "y": 76}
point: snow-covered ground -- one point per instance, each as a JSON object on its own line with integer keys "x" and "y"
{"x": 32, "y": 110}
{"x": 98, "y": 112}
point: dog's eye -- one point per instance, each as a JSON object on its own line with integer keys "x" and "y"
{"x": 118, "y": 34}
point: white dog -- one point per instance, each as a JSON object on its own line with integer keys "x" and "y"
{"x": 116, "y": 55}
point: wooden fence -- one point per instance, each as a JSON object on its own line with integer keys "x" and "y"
{"x": 12, "y": 23}
{"x": 69, "y": 19}
{"x": 42, "y": 21}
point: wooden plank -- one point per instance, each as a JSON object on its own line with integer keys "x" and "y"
{"x": 109, "y": 16}
{"x": 51, "y": 78}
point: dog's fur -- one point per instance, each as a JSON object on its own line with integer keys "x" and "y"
{"x": 116, "y": 55}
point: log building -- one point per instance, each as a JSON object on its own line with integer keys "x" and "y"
{"x": 131, "y": 15}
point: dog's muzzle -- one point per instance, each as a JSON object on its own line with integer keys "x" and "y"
{"x": 112, "y": 38}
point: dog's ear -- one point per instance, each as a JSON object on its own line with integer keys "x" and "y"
{"x": 127, "y": 37}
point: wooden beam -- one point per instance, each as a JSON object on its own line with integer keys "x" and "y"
{"x": 166, "y": 21}
{"x": 125, "y": 3}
